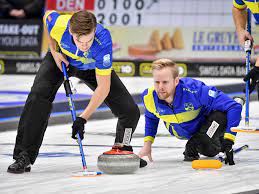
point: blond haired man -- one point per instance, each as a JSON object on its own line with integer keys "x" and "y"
{"x": 190, "y": 110}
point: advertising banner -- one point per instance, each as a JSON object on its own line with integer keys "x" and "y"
{"x": 20, "y": 37}
{"x": 177, "y": 43}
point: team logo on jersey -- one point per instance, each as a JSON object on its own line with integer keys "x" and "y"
{"x": 213, "y": 94}
{"x": 86, "y": 60}
{"x": 188, "y": 106}
{"x": 106, "y": 60}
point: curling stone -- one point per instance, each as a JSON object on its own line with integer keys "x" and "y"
{"x": 116, "y": 161}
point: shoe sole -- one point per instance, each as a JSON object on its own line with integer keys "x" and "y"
{"x": 28, "y": 169}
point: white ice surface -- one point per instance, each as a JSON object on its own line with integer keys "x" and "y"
{"x": 135, "y": 85}
{"x": 168, "y": 174}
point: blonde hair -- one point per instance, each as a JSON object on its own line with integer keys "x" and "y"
{"x": 163, "y": 63}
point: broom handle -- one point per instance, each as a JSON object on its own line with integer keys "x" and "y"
{"x": 69, "y": 95}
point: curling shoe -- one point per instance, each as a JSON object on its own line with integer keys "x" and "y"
{"x": 190, "y": 157}
{"x": 21, "y": 165}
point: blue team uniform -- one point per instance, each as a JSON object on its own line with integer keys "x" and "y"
{"x": 192, "y": 102}
{"x": 99, "y": 55}
{"x": 253, "y": 5}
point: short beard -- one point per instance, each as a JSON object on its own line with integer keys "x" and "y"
{"x": 164, "y": 97}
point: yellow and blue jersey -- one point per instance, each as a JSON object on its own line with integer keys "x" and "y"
{"x": 253, "y": 5}
{"x": 99, "y": 55}
{"x": 193, "y": 101}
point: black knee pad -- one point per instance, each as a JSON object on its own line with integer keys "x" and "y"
{"x": 215, "y": 124}
{"x": 211, "y": 131}
{"x": 207, "y": 146}
{"x": 219, "y": 117}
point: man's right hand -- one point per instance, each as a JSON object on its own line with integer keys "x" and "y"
{"x": 254, "y": 76}
{"x": 59, "y": 57}
{"x": 146, "y": 151}
{"x": 244, "y": 35}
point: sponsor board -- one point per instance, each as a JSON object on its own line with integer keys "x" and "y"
{"x": 124, "y": 68}
{"x": 221, "y": 70}
{"x": 20, "y": 37}
{"x": 1, "y": 67}
{"x": 145, "y": 69}
{"x": 27, "y": 67}
{"x": 130, "y": 68}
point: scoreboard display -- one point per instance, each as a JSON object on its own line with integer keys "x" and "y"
{"x": 187, "y": 13}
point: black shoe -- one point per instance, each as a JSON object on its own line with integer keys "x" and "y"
{"x": 191, "y": 152}
{"x": 190, "y": 158}
{"x": 21, "y": 165}
{"x": 142, "y": 163}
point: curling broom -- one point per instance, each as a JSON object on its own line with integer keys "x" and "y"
{"x": 216, "y": 163}
{"x": 69, "y": 95}
{"x": 247, "y": 128}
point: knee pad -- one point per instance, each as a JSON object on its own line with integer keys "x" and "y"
{"x": 216, "y": 123}
{"x": 219, "y": 117}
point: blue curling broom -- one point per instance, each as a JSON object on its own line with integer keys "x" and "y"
{"x": 248, "y": 59}
{"x": 247, "y": 128}
{"x": 69, "y": 95}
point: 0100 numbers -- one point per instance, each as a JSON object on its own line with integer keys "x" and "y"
{"x": 127, "y": 12}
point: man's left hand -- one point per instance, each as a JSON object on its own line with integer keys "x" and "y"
{"x": 228, "y": 150}
{"x": 78, "y": 127}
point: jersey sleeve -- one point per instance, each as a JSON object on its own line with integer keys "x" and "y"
{"x": 50, "y": 19}
{"x": 151, "y": 122}
{"x": 214, "y": 99}
{"x": 239, "y": 4}
{"x": 103, "y": 56}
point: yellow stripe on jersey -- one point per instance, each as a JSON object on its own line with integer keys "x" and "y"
{"x": 238, "y": 6}
{"x": 57, "y": 33}
{"x": 172, "y": 127}
{"x": 67, "y": 53}
{"x": 229, "y": 136}
{"x": 103, "y": 71}
{"x": 59, "y": 28}
{"x": 149, "y": 138}
{"x": 253, "y": 6}
{"x": 175, "y": 133}
{"x": 172, "y": 118}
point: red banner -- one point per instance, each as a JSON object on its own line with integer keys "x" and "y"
{"x": 70, "y": 5}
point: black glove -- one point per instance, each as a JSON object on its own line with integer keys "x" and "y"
{"x": 78, "y": 126}
{"x": 254, "y": 76}
{"x": 228, "y": 150}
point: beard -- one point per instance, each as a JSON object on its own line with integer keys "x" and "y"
{"x": 163, "y": 95}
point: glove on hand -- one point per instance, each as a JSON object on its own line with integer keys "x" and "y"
{"x": 78, "y": 126}
{"x": 254, "y": 76}
{"x": 228, "y": 150}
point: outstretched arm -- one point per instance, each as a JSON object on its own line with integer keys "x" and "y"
{"x": 146, "y": 150}
{"x": 240, "y": 18}
{"x": 100, "y": 93}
